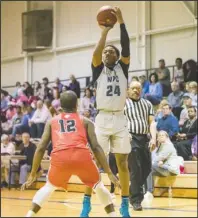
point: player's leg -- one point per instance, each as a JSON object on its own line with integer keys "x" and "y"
{"x": 103, "y": 139}
{"x": 87, "y": 199}
{"x": 86, "y": 209}
{"x": 123, "y": 172}
{"x": 86, "y": 205}
{"x": 105, "y": 198}
{"x": 57, "y": 177}
{"x": 90, "y": 176}
{"x": 41, "y": 196}
{"x": 121, "y": 148}
{"x": 114, "y": 169}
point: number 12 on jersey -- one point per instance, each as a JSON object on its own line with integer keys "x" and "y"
{"x": 67, "y": 126}
{"x": 111, "y": 92}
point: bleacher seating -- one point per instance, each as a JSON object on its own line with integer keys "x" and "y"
{"x": 183, "y": 185}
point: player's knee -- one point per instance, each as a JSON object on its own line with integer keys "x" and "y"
{"x": 103, "y": 194}
{"x": 122, "y": 162}
{"x": 43, "y": 194}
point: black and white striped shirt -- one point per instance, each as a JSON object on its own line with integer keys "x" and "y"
{"x": 137, "y": 113}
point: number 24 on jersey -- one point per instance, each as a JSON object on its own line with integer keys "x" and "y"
{"x": 111, "y": 91}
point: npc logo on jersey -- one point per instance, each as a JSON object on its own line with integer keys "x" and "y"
{"x": 112, "y": 79}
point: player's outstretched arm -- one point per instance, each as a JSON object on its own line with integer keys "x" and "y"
{"x": 97, "y": 55}
{"x": 39, "y": 153}
{"x": 124, "y": 37}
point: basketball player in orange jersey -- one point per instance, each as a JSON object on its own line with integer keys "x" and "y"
{"x": 70, "y": 134}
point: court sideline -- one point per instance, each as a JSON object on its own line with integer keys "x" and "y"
{"x": 15, "y": 203}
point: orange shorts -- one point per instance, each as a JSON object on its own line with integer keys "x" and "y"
{"x": 73, "y": 161}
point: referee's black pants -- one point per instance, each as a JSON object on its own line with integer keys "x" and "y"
{"x": 139, "y": 161}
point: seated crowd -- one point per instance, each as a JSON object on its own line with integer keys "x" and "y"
{"x": 25, "y": 113}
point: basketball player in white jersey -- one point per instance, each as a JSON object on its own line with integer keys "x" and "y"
{"x": 110, "y": 71}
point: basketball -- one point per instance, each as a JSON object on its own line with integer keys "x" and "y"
{"x": 105, "y": 17}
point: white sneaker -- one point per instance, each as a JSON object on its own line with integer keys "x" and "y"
{"x": 148, "y": 198}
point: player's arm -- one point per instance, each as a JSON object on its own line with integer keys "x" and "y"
{"x": 153, "y": 132}
{"x": 42, "y": 146}
{"x": 124, "y": 38}
{"x": 152, "y": 126}
{"x": 97, "y": 55}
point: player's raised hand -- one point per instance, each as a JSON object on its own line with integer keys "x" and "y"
{"x": 117, "y": 12}
{"x": 105, "y": 28}
{"x": 114, "y": 180}
{"x": 30, "y": 181}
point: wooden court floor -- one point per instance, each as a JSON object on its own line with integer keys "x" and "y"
{"x": 16, "y": 203}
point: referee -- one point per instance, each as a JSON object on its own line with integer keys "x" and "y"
{"x": 140, "y": 116}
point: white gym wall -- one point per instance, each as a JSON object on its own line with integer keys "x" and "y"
{"x": 157, "y": 30}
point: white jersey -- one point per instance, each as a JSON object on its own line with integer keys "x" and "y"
{"x": 111, "y": 87}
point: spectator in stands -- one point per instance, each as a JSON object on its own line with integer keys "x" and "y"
{"x": 18, "y": 143}
{"x": 18, "y": 86}
{"x": 187, "y": 89}
{"x": 134, "y": 78}
{"x": 21, "y": 97}
{"x": 16, "y": 120}
{"x": 50, "y": 108}
{"x": 159, "y": 113}
{"x": 94, "y": 107}
{"x": 164, "y": 77}
{"x": 154, "y": 94}
{"x": 168, "y": 122}
{"x": 190, "y": 71}
{"x": 145, "y": 84}
{"x": 193, "y": 92}
{"x": 39, "y": 119}
{"x": 74, "y": 85}
{"x": 179, "y": 74}
{"x": 18, "y": 116}
{"x": 56, "y": 101}
{"x": 31, "y": 99}
{"x": 87, "y": 102}
{"x": 187, "y": 101}
{"x": 59, "y": 85}
{"x": 7, "y": 149}
{"x": 28, "y": 150}
{"x": 65, "y": 88}
{"x": 165, "y": 163}
{"x": 175, "y": 99}
{"x": 6, "y": 125}
{"x": 187, "y": 134}
{"x": 4, "y": 92}
{"x": 11, "y": 111}
{"x": 24, "y": 125}
{"x": 194, "y": 149}
{"x": 47, "y": 92}
{"x": 28, "y": 90}
{"x": 4, "y": 102}
{"x": 38, "y": 90}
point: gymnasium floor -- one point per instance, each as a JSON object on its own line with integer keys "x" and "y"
{"x": 16, "y": 203}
